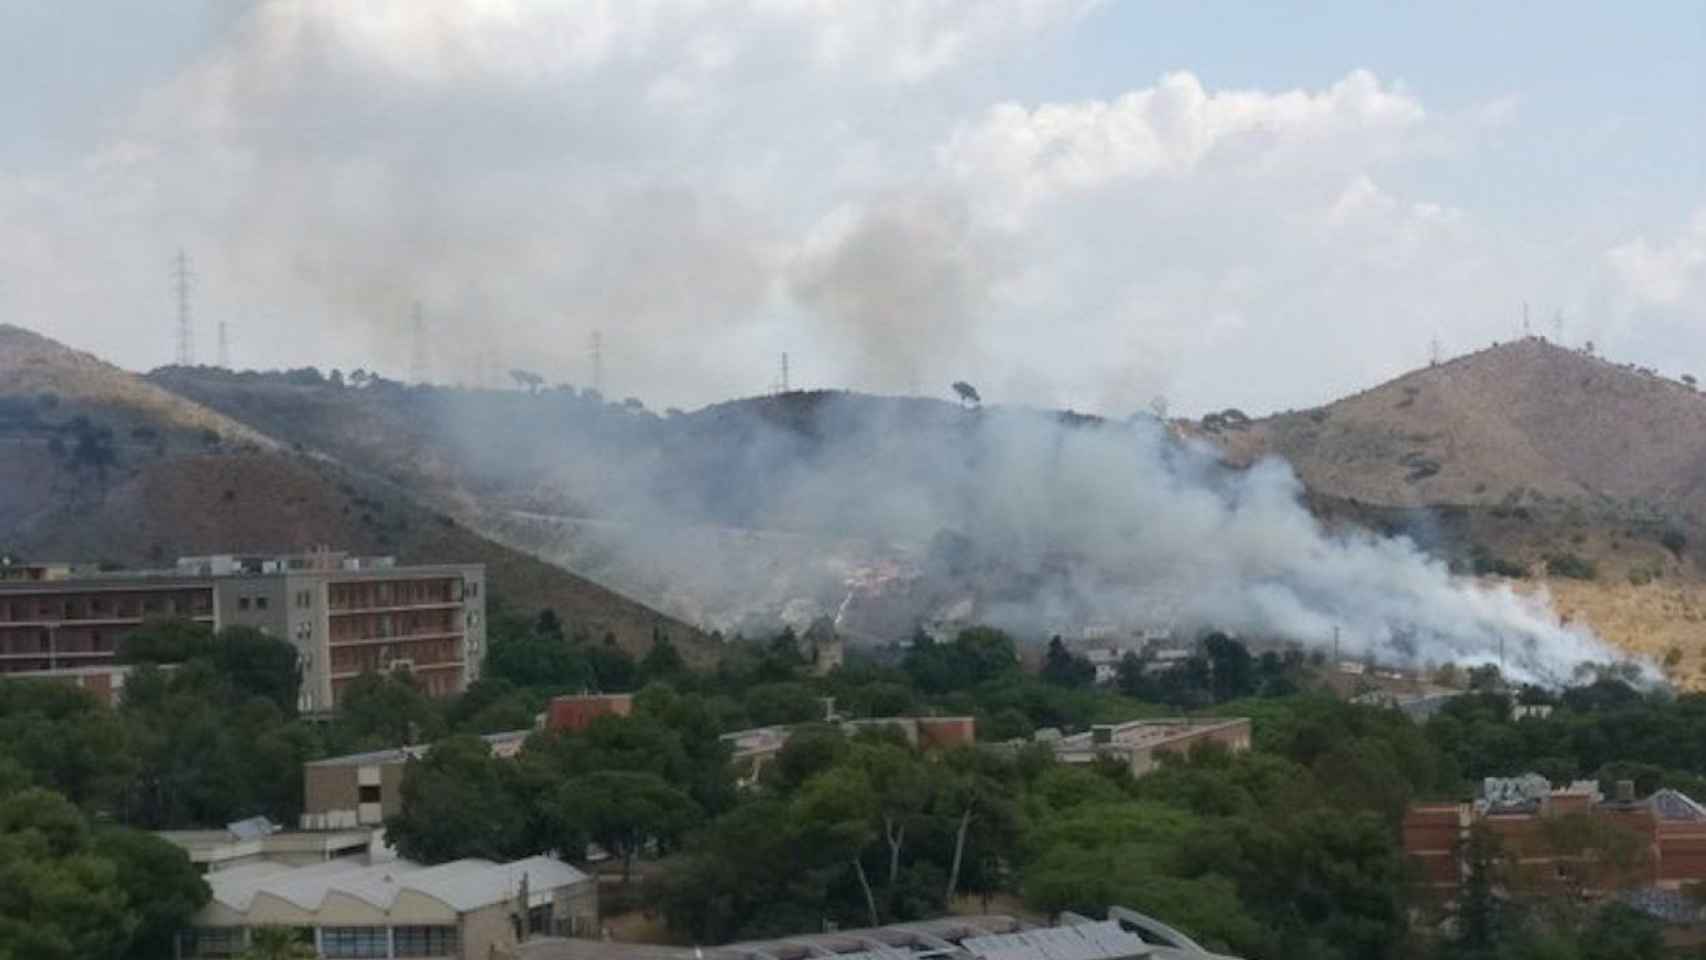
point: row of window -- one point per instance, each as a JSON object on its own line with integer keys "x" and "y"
{"x": 336, "y": 943}
{"x": 104, "y": 607}
{"x": 398, "y": 593}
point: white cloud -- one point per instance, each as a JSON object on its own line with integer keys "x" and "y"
{"x": 1168, "y": 130}
{"x": 1664, "y": 273}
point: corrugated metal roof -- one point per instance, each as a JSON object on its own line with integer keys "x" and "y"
{"x": 1086, "y": 941}
{"x": 476, "y": 886}
{"x": 463, "y": 885}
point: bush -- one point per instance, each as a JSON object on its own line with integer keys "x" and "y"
{"x": 1674, "y": 540}
{"x": 1572, "y": 566}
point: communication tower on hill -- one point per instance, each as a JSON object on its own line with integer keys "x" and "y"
{"x": 781, "y": 385}
{"x": 224, "y": 345}
{"x": 596, "y": 352}
{"x": 186, "y": 331}
{"x": 418, "y": 349}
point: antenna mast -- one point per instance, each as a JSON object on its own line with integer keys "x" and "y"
{"x": 597, "y": 353}
{"x": 224, "y": 345}
{"x": 781, "y": 384}
{"x": 1434, "y": 352}
{"x": 1525, "y": 330}
{"x": 186, "y": 331}
{"x": 418, "y": 352}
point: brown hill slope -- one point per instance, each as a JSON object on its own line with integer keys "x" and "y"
{"x": 1497, "y": 426}
{"x": 31, "y": 365}
{"x": 97, "y": 465}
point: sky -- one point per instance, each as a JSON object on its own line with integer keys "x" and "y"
{"x": 1098, "y": 205}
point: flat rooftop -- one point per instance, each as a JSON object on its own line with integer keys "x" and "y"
{"x": 402, "y": 754}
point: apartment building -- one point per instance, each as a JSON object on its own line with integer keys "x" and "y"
{"x": 345, "y": 615}
{"x": 55, "y": 623}
{"x": 351, "y": 615}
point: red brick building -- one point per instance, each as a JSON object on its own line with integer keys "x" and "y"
{"x": 576, "y": 712}
{"x": 1569, "y": 838}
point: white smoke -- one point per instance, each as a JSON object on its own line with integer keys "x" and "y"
{"x": 1066, "y": 523}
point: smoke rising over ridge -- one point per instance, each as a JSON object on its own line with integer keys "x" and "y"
{"x": 1037, "y": 522}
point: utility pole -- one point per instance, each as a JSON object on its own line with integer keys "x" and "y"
{"x": 224, "y": 345}
{"x": 597, "y": 353}
{"x": 186, "y": 331}
{"x": 418, "y": 350}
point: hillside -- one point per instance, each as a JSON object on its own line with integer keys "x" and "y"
{"x": 32, "y": 366}
{"x": 1522, "y": 421}
{"x": 106, "y": 473}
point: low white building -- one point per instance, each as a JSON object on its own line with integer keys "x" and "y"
{"x": 359, "y": 908}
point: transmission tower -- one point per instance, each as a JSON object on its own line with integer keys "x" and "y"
{"x": 1525, "y": 329}
{"x": 418, "y": 352}
{"x": 1434, "y": 352}
{"x": 597, "y": 354}
{"x": 224, "y": 346}
{"x": 186, "y": 331}
{"x": 781, "y": 385}
{"x": 1558, "y": 327}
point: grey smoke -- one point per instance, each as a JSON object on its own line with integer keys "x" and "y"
{"x": 752, "y": 512}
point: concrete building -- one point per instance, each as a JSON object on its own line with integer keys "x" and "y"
{"x": 258, "y": 841}
{"x": 1665, "y": 831}
{"x": 350, "y": 908}
{"x": 345, "y": 615}
{"x": 576, "y": 712}
{"x": 1139, "y": 744}
{"x": 60, "y": 625}
{"x": 752, "y": 750}
{"x": 351, "y": 615}
{"x": 362, "y": 789}
{"x": 1124, "y": 935}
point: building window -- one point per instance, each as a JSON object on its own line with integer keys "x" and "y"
{"x": 242, "y": 603}
{"x": 539, "y": 919}
{"x": 260, "y": 603}
{"x": 370, "y": 794}
{"x": 353, "y": 942}
{"x": 211, "y": 942}
{"x": 426, "y": 941}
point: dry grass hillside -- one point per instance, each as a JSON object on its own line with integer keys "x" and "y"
{"x": 1519, "y": 455}
{"x": 1508, "y": 423}
{"x": 32, "y": 365}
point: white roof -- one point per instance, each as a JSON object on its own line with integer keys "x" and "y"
{"x": 1105, "y": 940}
{"x": 462, "y": 884}
{"x": 477, "y": 883}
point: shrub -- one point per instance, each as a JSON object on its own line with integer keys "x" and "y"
{"x": 1571, "y": 565}
{"x": 1674, "y": 540}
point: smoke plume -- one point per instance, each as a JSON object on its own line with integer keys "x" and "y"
{"x": 786, "y": 507}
